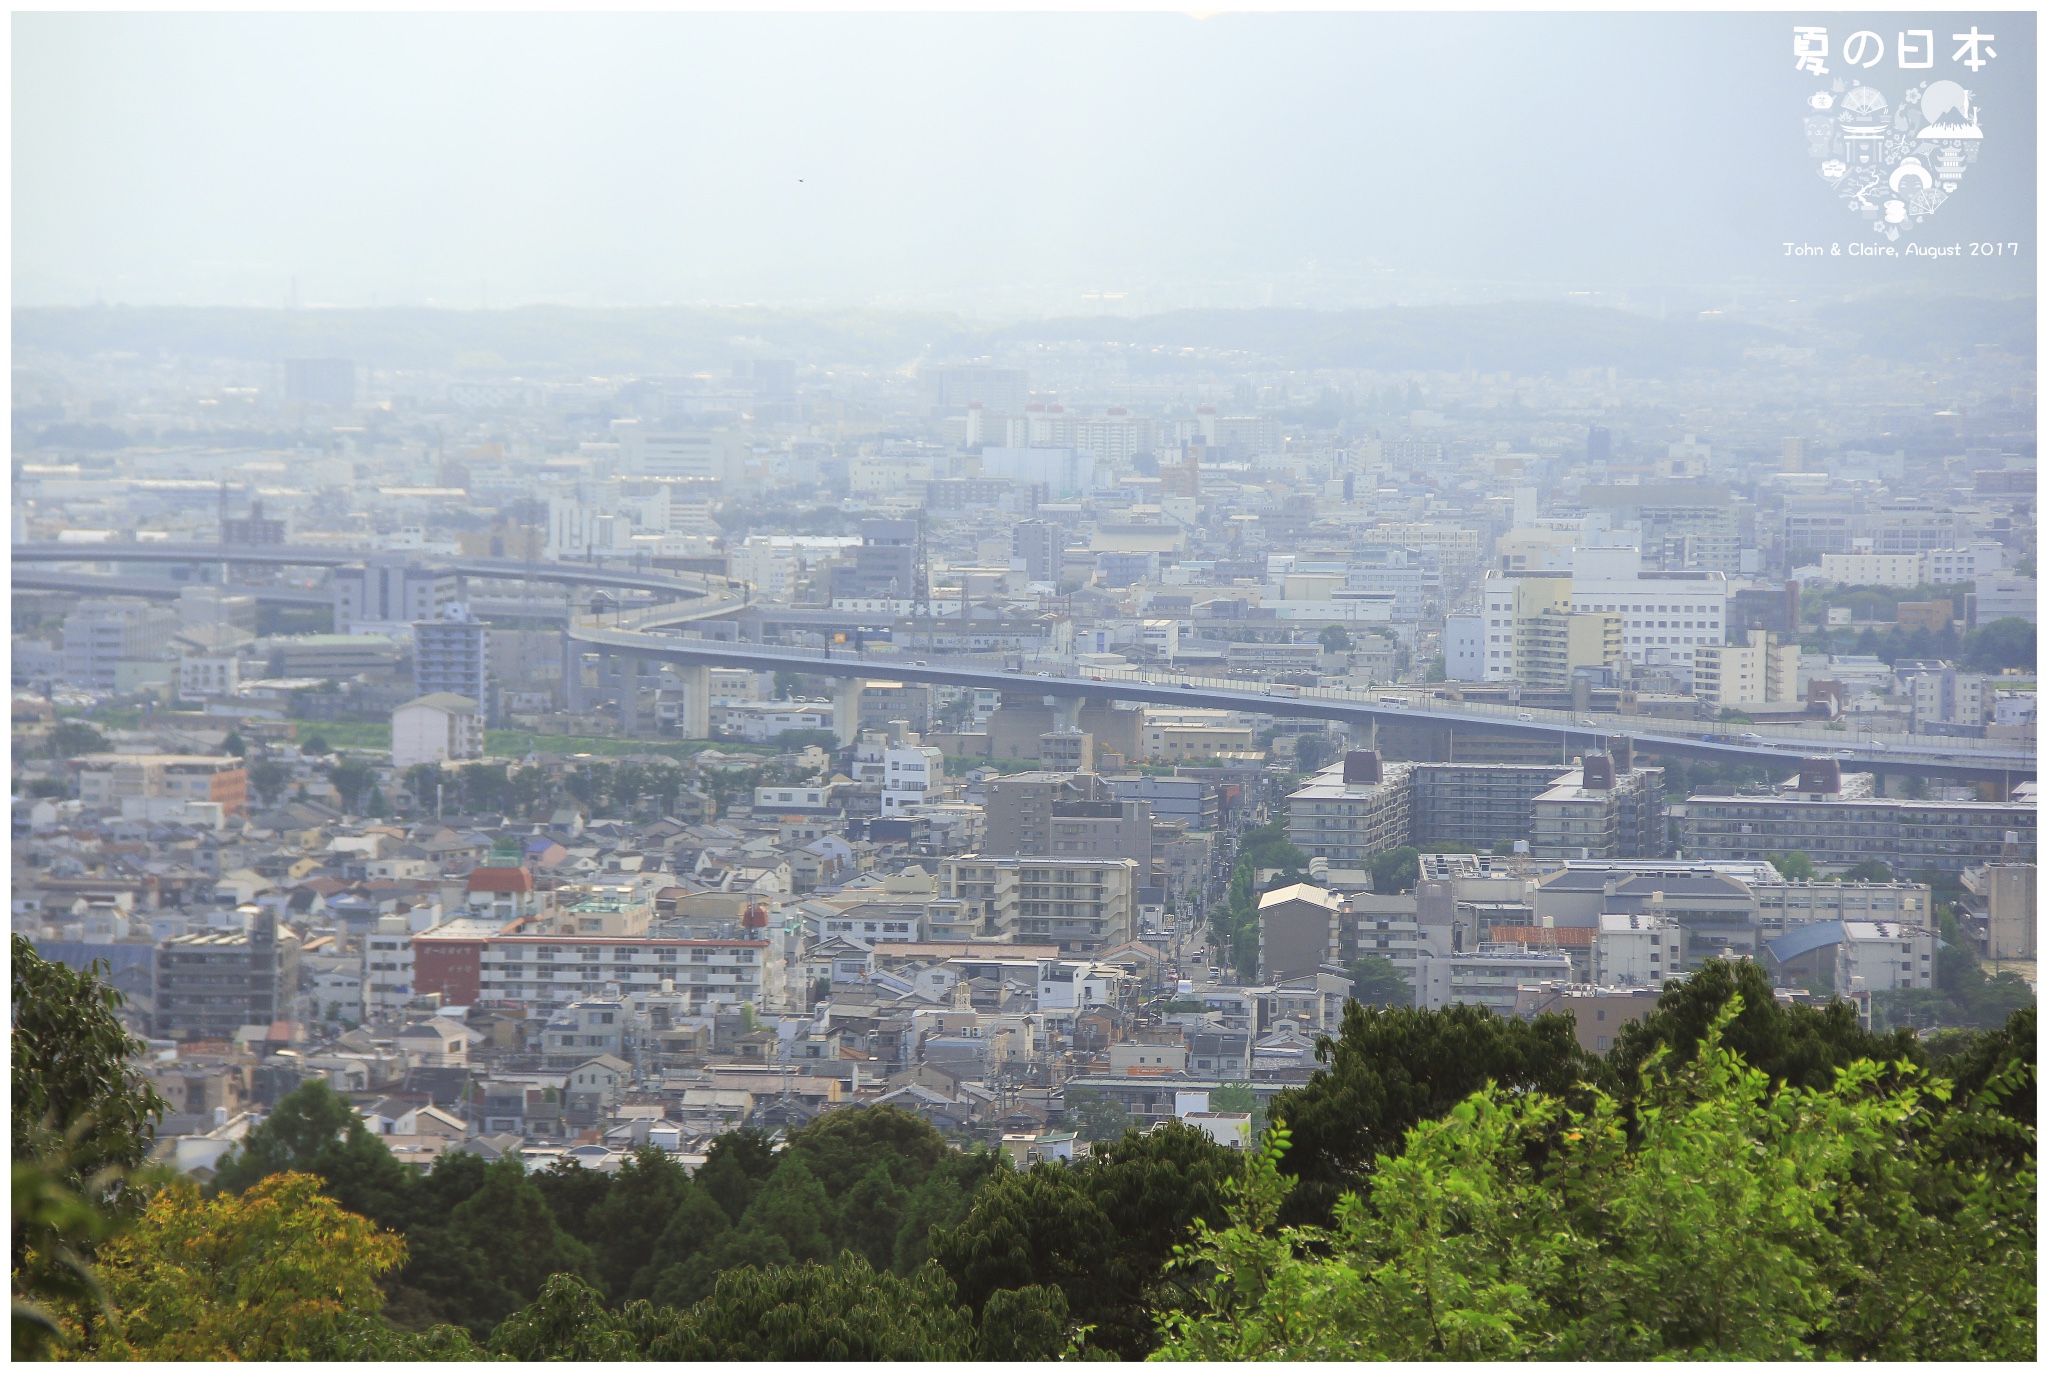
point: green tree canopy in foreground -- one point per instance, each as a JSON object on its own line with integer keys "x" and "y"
{"x": 1716, "y": 1218}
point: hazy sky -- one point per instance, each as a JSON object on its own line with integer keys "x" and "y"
{"x": 986, "y": 162}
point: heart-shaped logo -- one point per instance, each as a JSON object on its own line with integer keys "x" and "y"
{"x": 1893, "y": 166}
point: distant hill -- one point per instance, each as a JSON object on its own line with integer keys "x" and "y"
{"x": 1528, "y": 337}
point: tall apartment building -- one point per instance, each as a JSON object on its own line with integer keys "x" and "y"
{"x": 1084, "y": 905}
{"x": 705, "y": 455}
{"x": 388, "y": 966}
{"x": 1479, "y": 804}
{"x": 211, "y": 984}
{"x": 453, "y": 655}
{"x": 440, "y": 728}
{"x": 1533, "y": 635}
{"x": 1551, "y": 644}
{"x": 1913, "y": 526}
{"x": 1508, "y": 599}
{"x": 1001, "y": 390}
{"x": 386, "y": 593}
{"x": 1635, "y": 949}
{"x": 1757, "y": 673}
{"x": 1484, "y": 979}
{"x": 1352, "y": 810}
{"x": 1838, "y": 831}
{"x": 1193, "y": 801}
{"x": 882, "y": 566}
{"x": 103, "y": 640}
{"x": 1465, "y": 647}
{"x": 110, "y": 780}
{"x": 1873, "y": 569}
{"x": 1038, "y": 814}
{"x": 1299, "y": 931}
{"x": 1944, "y": 696}
{"x": 1037, "y": 548}
{"x": 1683, "y": 526}
{"x": 553, "y": 971}
{"x": 1602, "y": 812}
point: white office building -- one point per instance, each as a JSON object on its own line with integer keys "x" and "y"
{"x": 1665, "y": 616}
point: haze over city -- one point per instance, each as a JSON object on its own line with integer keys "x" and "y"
{"x": 984, "y": 688}
{"x": 1000, "y": 165}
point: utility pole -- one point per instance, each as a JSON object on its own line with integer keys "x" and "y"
{"x": 921, "y": 590}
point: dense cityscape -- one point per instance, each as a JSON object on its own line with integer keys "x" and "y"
{"x": 1332, "y": 811}
{"x": 379, "y": 819}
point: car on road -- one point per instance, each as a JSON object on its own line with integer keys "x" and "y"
{"x": 1187, "y": 686}
{"x": 1750, "y": 737}
{"x": 1523, "y": 715}
{"x": 1586, "y": 723}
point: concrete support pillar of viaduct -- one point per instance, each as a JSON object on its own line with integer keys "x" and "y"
{"x": 695, "y": 719}
{"x": 629, "y": 694}
{"x": 572, "y": 675}
{"x": 846, "y": 709}
{"x": 1066, "y": 711}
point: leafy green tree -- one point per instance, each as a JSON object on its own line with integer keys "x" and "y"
{"x": 814, "y": 1312}
{"x": 793, "y": 1207}
{"x": 1334, "y": 639}
{"x": 74, "y": 1078}
{"x": 679, "y": 1268}
{"x": 1101, "y": 1230}
{"x": 871, "y": 1215}
{"x": 268, "y": 779}
{"x": 506, "y": 1222}
{"x": 939, "y": 1203}
{"x": 734, "y": 1168}
{"x": 1794, "y": 866}
{"x": 1375, "y": 981}
{"x": 840, "y": 1147}
{"x": 314, "y": 1130}
{"x": 1715, "y": 1218}
{"x": 276, "y": 1273}
{"x": 1984, "y": 1059}
{"x": 57, "y": 1299}
{"x": 1390, "y": 1069}
{"x": 235, "y": 744}
{"x": 838, "y": 1311}
{"x": 72, "y": 740}
{"x": 1096, "y": 1116}
{"x": 574, "y": 1194}
{"x": 1396, "y": 870}
{"x": 355, "y": 782}
{"x": 422, "y": 780}
{"x": 568, "y": 1321}
{"x": 625, "y": 1226}
{"x": 1314, "y": 751}
{"x": 83, "y": 1121}
{"x": 1869, "y": 870}
{"x": 1802, "y": 1046}
{"x": 1998, "y": 645}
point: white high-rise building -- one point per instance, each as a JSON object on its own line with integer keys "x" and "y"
{"x": 1465, "y": 647}
{"x": 1666, "y": 616}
